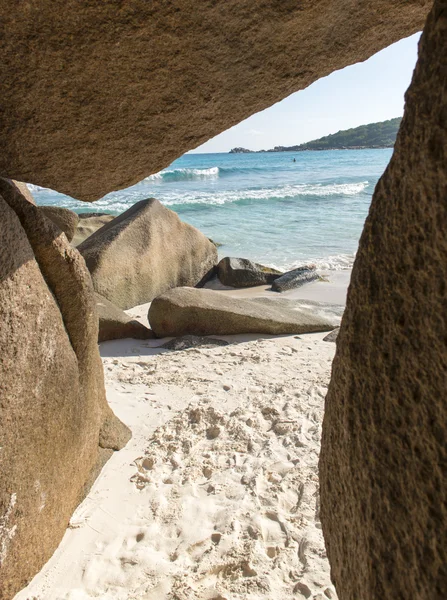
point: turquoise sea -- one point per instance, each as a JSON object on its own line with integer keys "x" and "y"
{"x": 262, "y": 206}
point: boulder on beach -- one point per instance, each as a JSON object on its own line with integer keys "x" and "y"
{"x": 187, "y": 310}
{"x": 295, "y": 278}
{"x": 114, "y": 324}
{"x": 56, "y": 428}
{"x": 241, "y": 273}
{"x": 65, "y": 219}
{"x": 144, "y": 252}
{"x": 88, "y": 224}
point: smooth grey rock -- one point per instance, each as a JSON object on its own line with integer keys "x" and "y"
{"x": 295, "y": 278}
{"x": 194, "y": 311}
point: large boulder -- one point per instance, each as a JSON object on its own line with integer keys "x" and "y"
{"x": 88, "y": 224}
{"x": 65, "y": 219}
{"x": 144, "y": 252}
{"x": 186, "y": 310}
{"x": 101, "y": 95}
{"x": 114, "y": 324}
{"x": 384, "y": 453}
{"x": 242, "y": 273}
{"x": 56, "y": 428}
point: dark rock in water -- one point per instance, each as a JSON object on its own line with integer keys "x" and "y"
{"x": 114, "y": 324}
{"x": 193, "y": 341}
{"x": 295, "y": 278}
{"x": 241, "y": 273}
{"x": 331, "y": 337}
{"x": 186, "y": 310}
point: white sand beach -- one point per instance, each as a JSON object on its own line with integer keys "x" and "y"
{"x": 216, "y": 495}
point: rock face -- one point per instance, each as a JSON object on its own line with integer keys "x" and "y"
{"x": 56, "y": 429}
{"x": 153, "y": 80}
{"x": 206, "y": 312}
{"x": 88, "y": 224}
{"x": 384, "y": 455}
{"x": 114, "y": 324}
{"x": 144, "y": 252}
{"x": 241, "y": 273}
{"x": 294, "y": 279}
{"x": 65, "y": 219}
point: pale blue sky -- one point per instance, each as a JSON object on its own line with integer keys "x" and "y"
{"x": 363, "y": 93}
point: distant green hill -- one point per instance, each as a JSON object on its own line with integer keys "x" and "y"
{"x": 374, "y": 135}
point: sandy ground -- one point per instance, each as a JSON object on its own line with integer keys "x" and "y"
{"x": 216, "y": 495}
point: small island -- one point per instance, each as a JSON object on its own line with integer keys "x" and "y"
{"x": 373, "y": 135}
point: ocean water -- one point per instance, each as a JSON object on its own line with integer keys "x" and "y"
{"x": 262, "y": 206}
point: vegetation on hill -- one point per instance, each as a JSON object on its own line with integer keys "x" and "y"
{"x": 374, "y": 135}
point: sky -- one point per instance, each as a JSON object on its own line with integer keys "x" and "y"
{"x": 363, "y": 93}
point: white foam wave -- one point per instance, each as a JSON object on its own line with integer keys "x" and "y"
{"x": 336, "y": 262}
{"x": 183, "y": 175}
{"x": 278, "y": 193}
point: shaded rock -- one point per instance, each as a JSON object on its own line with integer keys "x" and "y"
{"x": 25, "y": 191}
{"x": 88, "y": 224}
{"x": 332, "y": 337}
{"x": 193, "y": 341}
{"x": 114, "y": 324}
{"x": 144, "y": 252}
{"x": 384, "y": 455}
{"x": 155, "y": 92}
{"x": 295, "y": 278}
{"x": 54, "y": 413}
{"x": 65, "y": 219}
{"x": 241, "y": 273}
{"x": 186, "y": 310}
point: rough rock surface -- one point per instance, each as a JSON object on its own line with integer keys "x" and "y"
{"x": 186, "y": 310}
{"x": 114, "y": 324}
{"x": 88, "y": 224}
{"x": 54, "y": 414}
{"x": 295, "y": 278}
{"x": 65, "y": 219}
{"x": 144, "y": 252}
{"x": 155, "y": 79}
{"x": 384, "y": 455}
{"x": 241, "y": 273}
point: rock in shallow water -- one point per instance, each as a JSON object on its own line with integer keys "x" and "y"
{"x": 295, "y": 278}
{"x": 144, "y": 252}
{"x": 241, "y": 273}
{"x": 205, "y": 312}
